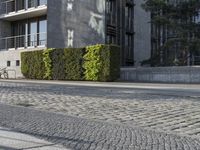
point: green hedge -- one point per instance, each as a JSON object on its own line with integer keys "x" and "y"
{"x": 73, "y": 63}
{"x": 102, "y": 63}
{"x": 32, "y": 64}
{"x": 94, "y": 63}
{"x": 47, "y": 63}
{"x": 58, "y": 67}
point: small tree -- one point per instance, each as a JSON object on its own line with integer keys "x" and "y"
{"x": 176, "y": 28}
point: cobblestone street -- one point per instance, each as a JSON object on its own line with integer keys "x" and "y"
{"x": 82, "y": 134}
{"x": 165, "y": 110}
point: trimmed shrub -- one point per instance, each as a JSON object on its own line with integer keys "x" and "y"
{"x": 102, "y": 63}
{"x": 32, "y": 65}
{"x": 73, "y": 63}
{"x": 95, "y": 63}
{"x": 47, "y": 63}
{"x": 58, "y": 64}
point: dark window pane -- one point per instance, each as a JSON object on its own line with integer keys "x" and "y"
{"x": 8, "y": 63}
{"x": 17, "y": 63}
{"x": 32, "y": 3}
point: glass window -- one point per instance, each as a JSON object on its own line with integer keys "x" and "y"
{"x": 33, "y": 33}
{"x": 32, "y": 3}
{"x": 8, "y": 63}
{"x": 197, "y": 19}
{"x": 17, "y": 63}
{"x": 42, "y": 32}
{"x": 129, "y": 45}
{"x": 21, "y": 32}
{"x": 42, "y": 2}
{"x": 20, "y": 4}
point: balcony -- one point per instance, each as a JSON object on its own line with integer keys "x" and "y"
{"x": 12, "y": 10}
{"x": 23, "y": 41}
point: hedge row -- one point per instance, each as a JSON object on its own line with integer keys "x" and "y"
{"x": 93, "y": 63}
{"x": 33, "y": 65}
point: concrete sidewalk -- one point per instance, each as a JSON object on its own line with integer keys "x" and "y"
{"x": 11, "y": 140}
{"x": 156, "y": 86}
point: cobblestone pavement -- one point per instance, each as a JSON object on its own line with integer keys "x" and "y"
{"x": 82, "y": 134}
{"x": 160, "y": 110}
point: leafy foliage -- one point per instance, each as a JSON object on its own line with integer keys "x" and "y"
{"x": 73, "y": 63}
{"x": 96, "y": 63}
{"x": 48, "y": 63}
{"x": 58, "y": 64}
{"x": 102, "y": 63}
{"x": 33, "y": 66}
{"x": 178, "y": 19}
{"x": 92, "y": 64}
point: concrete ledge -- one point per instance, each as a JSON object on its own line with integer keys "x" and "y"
{"x": 162, "y": 74}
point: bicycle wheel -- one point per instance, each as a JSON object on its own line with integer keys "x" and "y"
{"x": 5, "y": 75}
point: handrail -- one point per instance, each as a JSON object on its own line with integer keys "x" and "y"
{"x": 29, "y": 40}
{"x": 22, "y": 35}
{"x": 7, "y": 1}
{"x": 10, "y": 6}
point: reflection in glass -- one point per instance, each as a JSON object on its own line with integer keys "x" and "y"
{"x": 31, "y": 3}
{"x": 33, "y": 34}
{"x": 42, "y": 2}
{"x": 42, "y": 31}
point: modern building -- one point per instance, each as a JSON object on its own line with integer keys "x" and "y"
{"x": 37, "y": 24}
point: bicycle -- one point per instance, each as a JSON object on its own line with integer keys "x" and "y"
{"x": 4, "y": 73}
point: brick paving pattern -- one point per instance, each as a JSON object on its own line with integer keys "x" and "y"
{"x": 82, "y": 134}
{"x": 169, "y": 113}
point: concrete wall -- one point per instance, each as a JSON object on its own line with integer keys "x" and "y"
{"x": 13, "y": 56}
{"x": 75, "y": 23}
{"x": 142, "y": 39}
{"x": 162, "y": 74}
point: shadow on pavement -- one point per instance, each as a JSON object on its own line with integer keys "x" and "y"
{"x": 7, "y": 148}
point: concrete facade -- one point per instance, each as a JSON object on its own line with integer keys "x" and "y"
{"x": 142, "y": 39}
{"x": 162, "y": 74}
{"x": 12, "y": 42}
{"x": 78, "y": 23}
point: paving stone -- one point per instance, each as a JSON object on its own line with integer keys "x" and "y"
{"x": 151, "y": 109}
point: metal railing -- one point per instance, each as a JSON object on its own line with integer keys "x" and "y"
{"x": 7, "y": 7}
{"x": 23, "y": 41}
{"x": 14, "y": 6}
